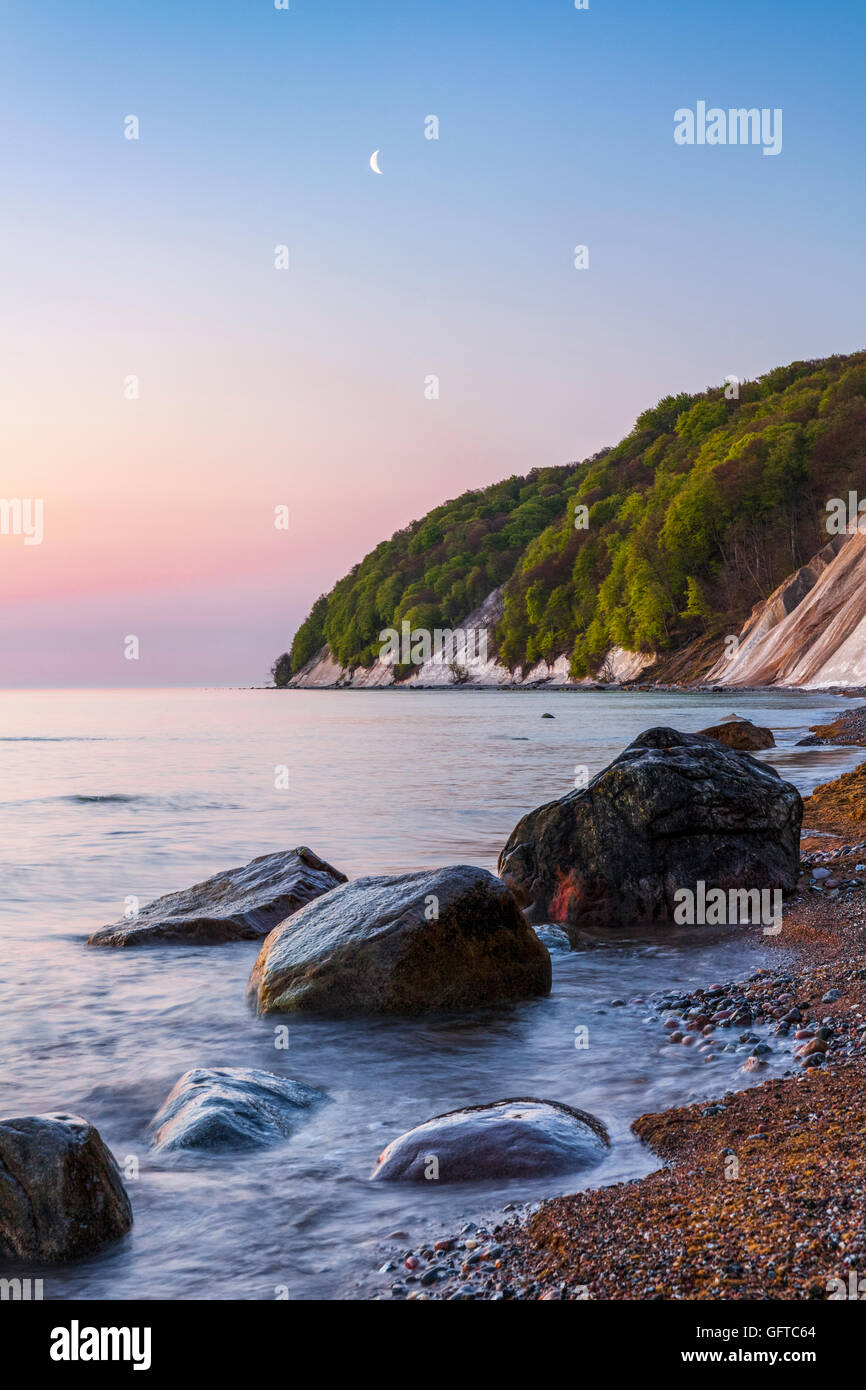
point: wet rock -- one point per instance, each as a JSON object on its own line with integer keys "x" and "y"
{"x": 671, "y": 811}
{"x": 223, "y": 1108}
{"x": 554, "y": 938}
{"x": 510, "y": 1139}
{"x": 741, "y": 734}
{"x": 444, "y": 939}
{"x": 241, "y": 904}
{"x": 61, "y": 1194}
{"x": 753, "y": 1064}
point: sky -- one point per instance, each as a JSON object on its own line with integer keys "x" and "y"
{"x": 165, "y": 387}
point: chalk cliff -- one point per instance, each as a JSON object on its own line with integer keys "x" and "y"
{"x": 811, "y": 631}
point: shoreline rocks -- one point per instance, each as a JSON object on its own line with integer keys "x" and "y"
{"x": 750, "y": 1238}
{"x": 520, "y": 1138}
{"x": 442, "y": 939}
{"x": 847, "y": 730}
{"x": 741, "y": 734}
{"x": 671, "y": 811}
{"x": 221, "y": 1108}
{"x": 61, "y": 1193}
{"x": 241, "y": 904}
{"x": 839, "y": 807}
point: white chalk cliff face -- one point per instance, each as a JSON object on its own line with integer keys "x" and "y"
{"x": 323, "y": 671}
{"x": 812, "y": 631}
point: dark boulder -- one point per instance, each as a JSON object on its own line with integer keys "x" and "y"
{"x": 510, "y": 1139}
{"x": 671, "y": 811}
{"x": 61, "y": 1194}
{"x": 741, "y": 734}
{"x": 231, "y": 1108}
{"x": 440, "y": 939}
{"x": 241, "y": 904}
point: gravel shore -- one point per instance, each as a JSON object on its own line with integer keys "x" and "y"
{"x": 763, "y": 1192}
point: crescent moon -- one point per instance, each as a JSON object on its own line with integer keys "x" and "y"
{"x": 374, "y": 162}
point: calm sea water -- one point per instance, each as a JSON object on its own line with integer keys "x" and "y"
{"x": 104, "y": 794}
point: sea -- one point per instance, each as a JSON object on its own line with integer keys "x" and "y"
{"x": 111, "y": 794}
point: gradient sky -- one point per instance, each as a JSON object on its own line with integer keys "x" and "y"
{"x": 306, "y": 387}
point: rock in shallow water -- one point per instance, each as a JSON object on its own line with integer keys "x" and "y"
{"x": 520, "y": 1138}
{"x": 61, "y": 1194}
{"x": 230, "y": 1108}
{"x": 554, "y": 938}
{"x": 444, "y": 939}
{"x": 741, "y": 734}
{"x": 241, "y": 904}
{"x": 672, "y": 810}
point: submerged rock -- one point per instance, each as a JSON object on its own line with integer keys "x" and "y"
{"x": 443, "y": 939}
{"x": 61, "y": 1194}
{"x": 509, "y": 1139}
{"x": 671, "y": 811}
{"x": 741, "y": 734}
{"x": 241, "y": 904}
{"x": 554, "y": 938}
{"x": 231, "y": 1108}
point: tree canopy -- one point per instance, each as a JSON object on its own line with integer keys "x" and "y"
{"x": 697, "y": 514}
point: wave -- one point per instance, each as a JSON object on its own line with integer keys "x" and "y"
{"x": 81, "y": 799}
{"x": 184, "y": 803}
{"x": 53, "y": 738}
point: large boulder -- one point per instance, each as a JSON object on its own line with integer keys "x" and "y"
{"x": 510, "y": 1139}
{"x": 231, "y": 1108}
{"x": 671, "y": 811}
{"x": 441, "y": 939}
{"x": 61, "y": 1194}
{"x": 741, "y": 734}
{"x": 238, "y": 905}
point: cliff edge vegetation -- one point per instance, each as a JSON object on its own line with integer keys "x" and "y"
{"x": 660, "y": 545}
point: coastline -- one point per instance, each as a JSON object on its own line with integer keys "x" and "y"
{"x": 761, "y": 1193}
{"x": 833, "y": 692}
